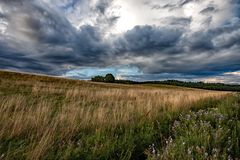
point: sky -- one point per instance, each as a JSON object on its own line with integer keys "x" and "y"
{"x": 141, "y": 40}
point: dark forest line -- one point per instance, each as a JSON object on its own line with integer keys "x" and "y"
{"x": 200, "y": 85}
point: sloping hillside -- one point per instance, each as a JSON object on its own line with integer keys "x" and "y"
{"x": 55, "y": 118}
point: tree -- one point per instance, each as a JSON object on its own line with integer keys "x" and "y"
{"x": 98, "y": 79}
{"x": 109, "y": 78}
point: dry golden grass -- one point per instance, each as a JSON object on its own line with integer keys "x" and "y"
{"x": 44, "y": 112}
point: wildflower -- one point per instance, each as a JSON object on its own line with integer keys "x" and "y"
{"x": 171, "y": 139}
{"x": 152, "y": 149}
{"x": 2, "y": 156}
{"x": 188, "y": 117}
{"x": 176, "y": 124}
{"x": 206, "y": 154}
{"x": 229, "y": 157}
{"x": 215, "y": 150}
{"x": 189, "y": 151}
{"x": 79, "y": 143}
{"x": 167, "y": 142}
{"x": 214, "y": 155}
{"x": 229, "y": 148}
{"x": 229, "y": 141}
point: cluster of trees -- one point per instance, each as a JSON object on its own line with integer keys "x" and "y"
{"x": 109, "y": 78}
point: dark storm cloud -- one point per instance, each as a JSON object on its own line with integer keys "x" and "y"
{"x": 198, "y": 41}
{"x": 30, "y": 22}
{"x": 13, "y": 56}
{"x": 147, "y": 40}
{"x": 214, "y": 39}
{"x": 2, "y": 15}
{"x": 50, "y": 29}
{"x": 18, "y": 61}
{"x": 37, "y": 22}
{"x": 228, "y": 40}
{"x": 86, "y": 48}
{"x": 57, "y": 42}
{"x": 176, "y": 51}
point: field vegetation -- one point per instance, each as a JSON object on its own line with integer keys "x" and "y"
{"x": 53, "y": 118}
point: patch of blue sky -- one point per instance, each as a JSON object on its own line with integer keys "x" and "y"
{"x": 118, "y": 71}
{"x": 69, "y": 5}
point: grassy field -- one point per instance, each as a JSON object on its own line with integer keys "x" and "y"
{"x": 52, "y": 118}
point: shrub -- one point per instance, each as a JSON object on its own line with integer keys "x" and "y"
{"x": 98, "y": 79}
{"x": 109, "y": 78}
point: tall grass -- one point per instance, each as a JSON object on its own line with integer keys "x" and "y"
{"x": 50, "y": 118}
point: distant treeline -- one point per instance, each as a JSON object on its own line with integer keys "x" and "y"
{"x": 199, "y": 85}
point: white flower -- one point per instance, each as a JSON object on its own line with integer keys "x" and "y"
{"x": 206, "y": 154}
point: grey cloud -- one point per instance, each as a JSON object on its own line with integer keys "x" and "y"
{"x": 214, "y": 39}
{"x": 37, "y": 22}
{"x": 18, "y": 61}
{"x": 156, "y": 6}
{"x": 207, "y": 10}
{"x": 227, "y": 40}
{"x": 198, "y": 41}
{"x": 103, "y": 5}
{"x": 181, "y": 21}
{"x": 171, "y": 6}
{"x": 175, "y": 21}
{"x": 92, "y": 12}
{"x": 56, "y": 41}
{"x": 214, "y": 50}
{"x": 184, "y": 2}
{"x": 147, "y": 39}
{"x": 2, "y": 16}
{"x": 18, "y": 2}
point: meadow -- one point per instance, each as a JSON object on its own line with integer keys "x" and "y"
{"x": 54, "y": 118}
